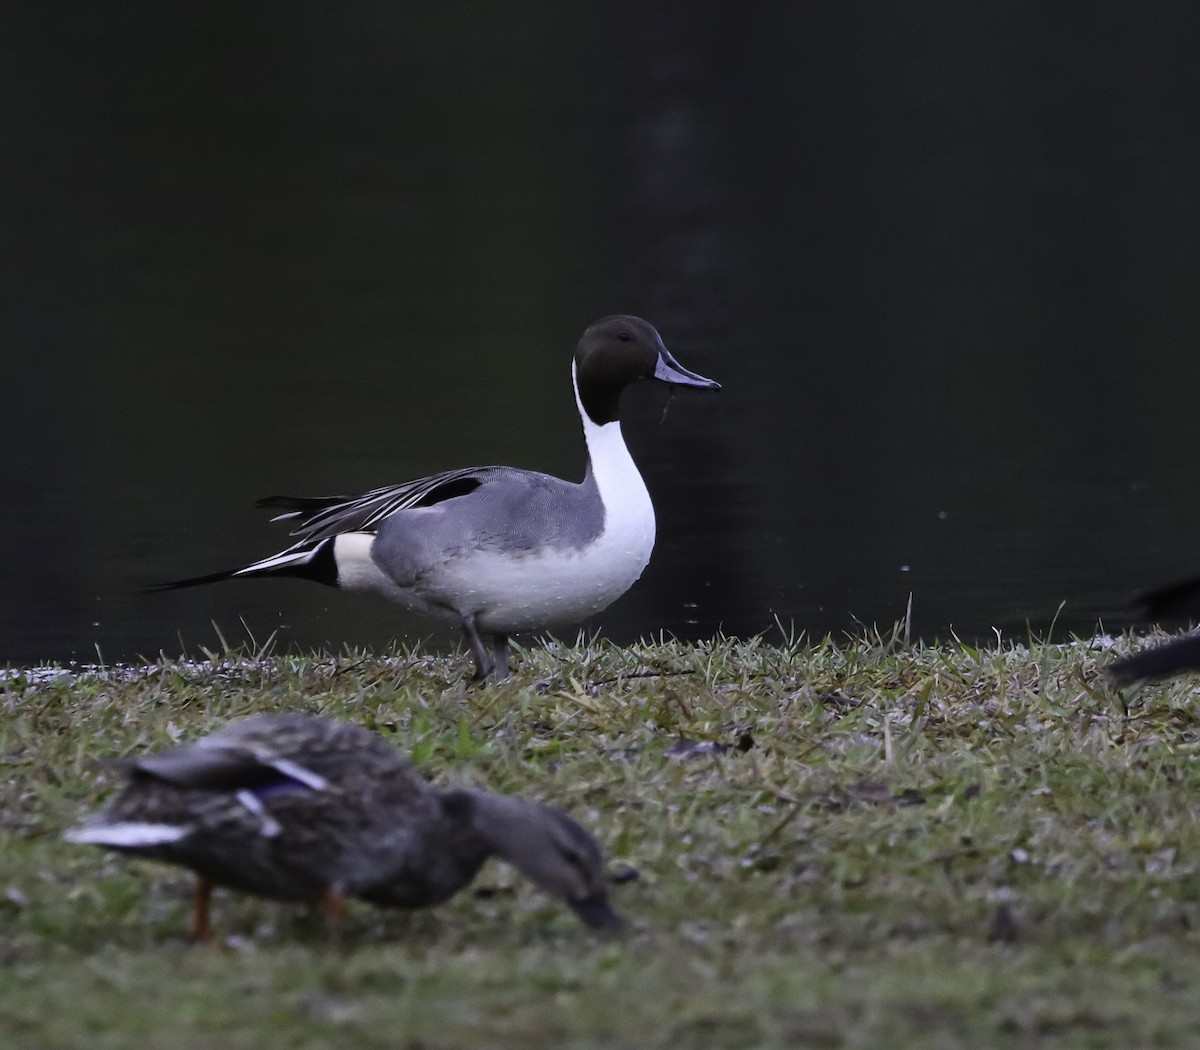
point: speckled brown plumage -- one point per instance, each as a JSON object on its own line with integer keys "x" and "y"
{"x": 299, "y": 808}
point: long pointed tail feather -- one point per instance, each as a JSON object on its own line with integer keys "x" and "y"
{"x": 313, "y": 563}
{"x": 192, "y": 581}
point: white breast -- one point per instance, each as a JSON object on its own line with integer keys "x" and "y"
{"x": 542, "y": 588}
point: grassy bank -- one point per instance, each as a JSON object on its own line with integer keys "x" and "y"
{"x": 860, "y": 844}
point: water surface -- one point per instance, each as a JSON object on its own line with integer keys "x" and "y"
{"x": 942, "y": 258}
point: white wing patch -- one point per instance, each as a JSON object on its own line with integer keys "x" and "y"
{"x": 297, "y": 772}
{"x": 129, "y": 834}
{"x": 268, "y": 826}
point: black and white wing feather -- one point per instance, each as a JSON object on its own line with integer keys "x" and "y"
{"x": 322, "y": 517}
{"x": 319, "y": 520}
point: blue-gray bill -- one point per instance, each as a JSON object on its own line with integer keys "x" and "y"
{"x": 668, "y": 370}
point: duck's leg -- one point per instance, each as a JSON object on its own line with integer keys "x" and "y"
{"x": 501, "y": 650}
{"x": 334, "y": 903}
{"x": 200, "y": 899}
{"x": 483, "y": 662}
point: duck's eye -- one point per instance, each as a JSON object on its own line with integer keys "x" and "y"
{"x": 624, "y": 337}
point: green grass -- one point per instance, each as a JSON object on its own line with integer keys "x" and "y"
{"x": 900, "y": 846}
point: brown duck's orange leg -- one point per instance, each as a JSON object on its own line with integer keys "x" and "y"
{"x": 200, "y": 898}
{"x": 334, "y": 903}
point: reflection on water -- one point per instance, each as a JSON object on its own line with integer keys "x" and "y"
{"x": 943, "y": 274}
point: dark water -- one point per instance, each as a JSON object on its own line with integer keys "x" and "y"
{"x": 944, "y": 258}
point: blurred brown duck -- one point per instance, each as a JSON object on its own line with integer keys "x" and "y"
{"x": 299, "y": 808}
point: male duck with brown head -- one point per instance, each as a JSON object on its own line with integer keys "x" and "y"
{"x": 497, "y": 550}
{"x": 298, "y": 808}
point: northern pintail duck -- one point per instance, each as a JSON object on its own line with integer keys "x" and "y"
{"x": 498, "y": 550}
{"x": 298, "y": 808}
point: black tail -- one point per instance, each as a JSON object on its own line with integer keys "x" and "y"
{"x": 1183, "y": 654}
{"x": 314, "y": 562}
{"x": 192, "y": 581}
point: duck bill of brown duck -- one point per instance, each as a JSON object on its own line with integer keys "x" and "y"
{"x": 597, "y": 913}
